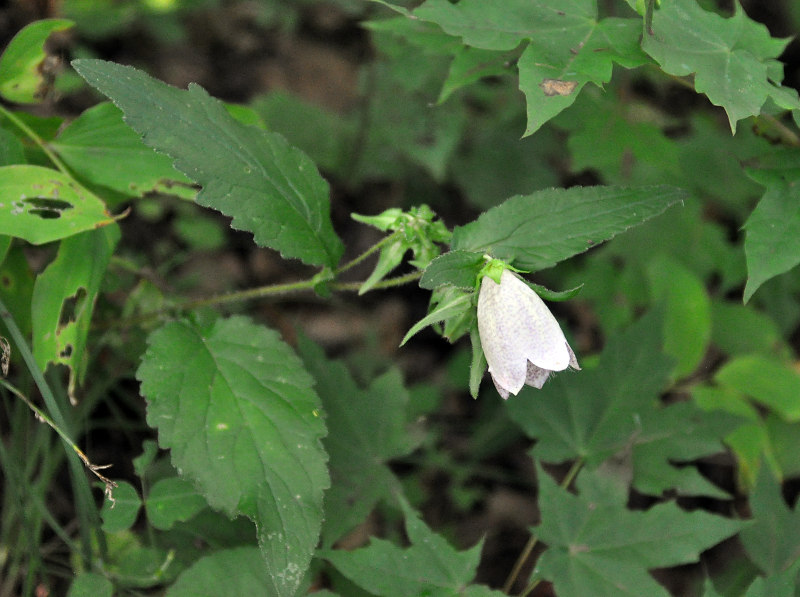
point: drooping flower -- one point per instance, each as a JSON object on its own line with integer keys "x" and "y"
{"x": 521, "y": 339}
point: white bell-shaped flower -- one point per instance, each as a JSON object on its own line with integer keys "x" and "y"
{"x": 521, "y": 339}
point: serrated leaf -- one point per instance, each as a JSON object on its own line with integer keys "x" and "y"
{"x": 457, "y": 268}
{"x": 101, "y": 148}
{"x": 226, "y": 573}
{"x": 268, "y": 187}
{"x": 766, "y": 380}
{"x": 613, "y": 409}
{"x": 772, "y": 242}
{"x": 677, "y": 434}
{"x": 41, "y": 205}
{"x": 430, "y": 566}
{"x": 64, "y": 296}
{"x": 21, "y": 74}
{"x": 537, "y": 231}
{"x": 235, "y": 406}
{"x": 120, "y": 514}
{"x": 596, "y": 546}
{"x": 171, "y": 500}
{"x": 367, "y": 428}
{"x": 566, "y": 48}
{"x": 773, "y": 540}
{"x": 732, "y": 59}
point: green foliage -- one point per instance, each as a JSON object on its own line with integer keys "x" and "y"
{"x": 22, "y": 78}
{"x": 41, "y": 205}
{"x": 366, "y": 429}
{"x": 237, "y": 165}
{"x": 64, "y": 297}
{"x": 721, "y": 53}
{"x": 606, "y": 549}
{"x": 539, "y": 230}
{"x": 306, "y": 474}
{"x": 246, "y": 430}
{"x": 98, "y": 146}
{"x": 430, "y": 565}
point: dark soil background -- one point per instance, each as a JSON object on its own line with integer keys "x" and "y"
{"x": 239, "y": 50}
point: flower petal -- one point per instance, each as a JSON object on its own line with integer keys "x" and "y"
{"x": 497, "y": 328}
{"x": 537, "y": 332}
{"x": 536, "y": 376}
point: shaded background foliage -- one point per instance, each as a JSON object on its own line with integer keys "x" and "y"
{"x": 360, "y": 102}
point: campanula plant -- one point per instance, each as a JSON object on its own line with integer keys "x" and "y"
{"x": 251, "y": 451}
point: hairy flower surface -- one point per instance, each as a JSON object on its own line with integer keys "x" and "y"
{"x": 521, "y": 339}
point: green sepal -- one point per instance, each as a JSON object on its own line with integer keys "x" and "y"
{"x": 553, "y": 295}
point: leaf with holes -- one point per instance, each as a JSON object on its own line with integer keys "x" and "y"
{"x": 267, "y": 186}
{"x": 64, "y": 296}
{"x": 41, "y": 205}
{"x": 236, "y": 408}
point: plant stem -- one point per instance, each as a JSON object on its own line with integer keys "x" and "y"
{"x": 533, "y": 540}
{"x": 377, "y": 246}
{"x": 278, "y": 289}
{"x": 36, "y": 139}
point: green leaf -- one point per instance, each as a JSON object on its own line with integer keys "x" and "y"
{"x": 687, "y": 323}
{"x": 236, "y": 407}
{"x": 430, "y": 566}
{"x": 623, "y": 416}
{"x": 89, "y": 584}
{"x": 539, "y": 230}
{"x": 171, "y": 500}
{"x": 21, "y": 74}
{"x": 564, "y": 48}
{"x": 733, "y": 60}
{"x": 11, "y": 149}
{"x": 101, "y": 148}
{"x": 367, "y": 427}
{"x": 772, "y": 243}
{"x": 226, "y": 573}
{"x": 457, "y": 268}
{"x": 120, "y": 514}
{"x": 470, "y": 65}
{"x": 598, "y": 547}
{"x": 63, "y": 300}
{"x": 41, "y": 205}
{"x": 767, "y": 381}
{"x": 679, "y": 433}
{"x": 773, "y": 540}
{"x": 738, "y": 329}
{"x": 623, "y": 141}
{"x": 268, "y": 187}
{"x": 456, "y": 305}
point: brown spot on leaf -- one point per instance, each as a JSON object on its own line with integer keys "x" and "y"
{"x": 553, "y": 87}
